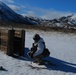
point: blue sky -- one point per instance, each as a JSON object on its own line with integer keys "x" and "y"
{"x": 48, "y": 9}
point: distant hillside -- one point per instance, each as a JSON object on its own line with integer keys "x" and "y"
{"x": 8, "y": 15}
{"x": 63, "y": 22}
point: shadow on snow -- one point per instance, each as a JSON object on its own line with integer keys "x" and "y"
{"x": 60, "y": 65}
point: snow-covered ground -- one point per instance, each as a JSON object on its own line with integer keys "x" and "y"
{"x": 63, "y": 53}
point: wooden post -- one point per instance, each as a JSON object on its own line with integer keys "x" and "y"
{"x": 14, "y": 43}
{"x": 23, "y": 41}
{"x": 10, "y": 50}
{"x": 0, "y": 39}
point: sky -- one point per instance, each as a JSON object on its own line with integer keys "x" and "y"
{"x": 47, "y": 9}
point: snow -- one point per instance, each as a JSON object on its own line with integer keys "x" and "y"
{"x": 63, "y": 53}
{"x": 8, "y": 14}
{"x": 35, "y": 65}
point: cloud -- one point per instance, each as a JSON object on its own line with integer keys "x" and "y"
{"x": 14, "y": 7}
{"x": 23, "y": 6}
{"x": 10, "y": 1}
{"x": 51, "y": 14}
{"x": 36, "y": 12}
{"x": 29, "y": 13}
{"x": 45, "y": 13}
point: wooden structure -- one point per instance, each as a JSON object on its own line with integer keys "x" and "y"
{"x": 12, "y": 41}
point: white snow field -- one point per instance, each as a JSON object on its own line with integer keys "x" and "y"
{"x": 63, "y": 53}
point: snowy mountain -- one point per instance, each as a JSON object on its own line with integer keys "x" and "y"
{"x": 63, "y": 53}
{"x": 64, "y": 21}
{"x": 7, "y": 14}
{"x": 35, "y": 20}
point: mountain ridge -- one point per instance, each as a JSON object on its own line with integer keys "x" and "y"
{"x": 7, "y": 14}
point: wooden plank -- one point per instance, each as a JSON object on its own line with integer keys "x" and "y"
{"x": 17, "y": 33}
{"x": 10, "y": 50}
{"x": 3, "y": 40}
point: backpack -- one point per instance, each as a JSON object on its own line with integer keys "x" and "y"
{"x": 46, "y": 52}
